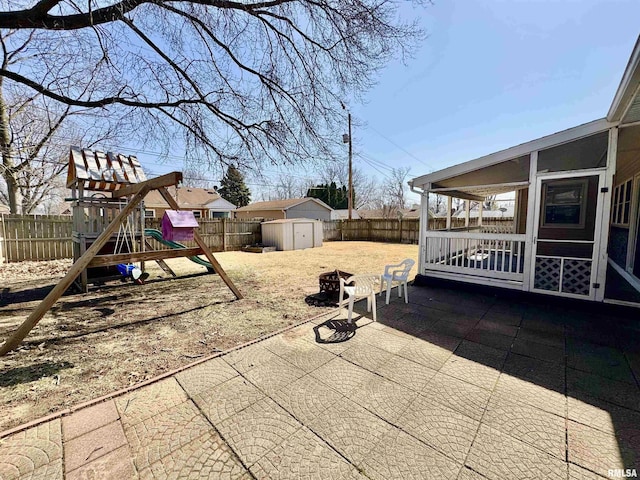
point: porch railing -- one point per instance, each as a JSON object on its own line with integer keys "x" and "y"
{"x": 491, "y": 255}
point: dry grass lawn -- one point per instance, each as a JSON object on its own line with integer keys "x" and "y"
{"x": 121, "y": 334}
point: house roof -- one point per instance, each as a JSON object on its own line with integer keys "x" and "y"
{"x": 343, "y": 214}
{"x": 281, "y": 204}
{"x": 187, "y": 197}
{"x": 383, "y": 213}
{"x": 625, "y": 107}
{"x": 475, "y": 211}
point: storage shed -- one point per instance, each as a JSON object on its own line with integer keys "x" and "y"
{"x": 292, "y": 234}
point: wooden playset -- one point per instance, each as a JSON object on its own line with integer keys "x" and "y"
{"x": 108, "y": 226}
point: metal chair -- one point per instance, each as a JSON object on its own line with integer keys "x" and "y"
{"x": 359, "y": 286}
{"x": 397, "y": 273}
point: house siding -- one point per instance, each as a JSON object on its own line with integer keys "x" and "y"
{"x": 309, "y": 210}
{"x": 159, "y": 211}
{"x": 627, "y": 163}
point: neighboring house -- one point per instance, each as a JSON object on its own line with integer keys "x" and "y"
{"x": 203, "y": 202}
{"x": 291, "y": 208}
{"x": 576, "y": 215}
{"x": 343, "y": 214}
{"x": 4, "y": 209}
{"x": 404, "y": 213}
{"x": 506, "y": 211}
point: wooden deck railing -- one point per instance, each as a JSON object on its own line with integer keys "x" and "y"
{"x": 494, "y": 255}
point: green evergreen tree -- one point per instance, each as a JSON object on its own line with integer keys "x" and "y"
{"x": 334, "y": 196}
{"x": 233, "y": 189}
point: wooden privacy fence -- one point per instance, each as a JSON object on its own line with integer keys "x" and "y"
{"x": 35, "y": 237}
{"x": 222, "y": 234}
{"x": 47, "y": 237}
{"x": 390, "y": 230}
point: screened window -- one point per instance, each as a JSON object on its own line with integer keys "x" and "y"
{"x": 588, "y": 152}
{"x": 197, "y": 213}
{"x": 622, "y": 203}
{"x": 564, "y": 203}
{"x": 149, "y": 213}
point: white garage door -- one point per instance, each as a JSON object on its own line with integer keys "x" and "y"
{"x": 302, "y": 235}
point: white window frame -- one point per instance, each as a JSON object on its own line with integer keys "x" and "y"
{"x": 619, "y": 200}
{"x": 153, "y": 213}
{"x": 197, "y": 213}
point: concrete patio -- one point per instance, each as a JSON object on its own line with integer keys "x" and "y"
{"x": 454, "y": 385}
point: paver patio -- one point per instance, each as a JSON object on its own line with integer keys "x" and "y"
{"x": 455, "y": 385}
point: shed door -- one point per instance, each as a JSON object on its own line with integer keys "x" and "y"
{"x": 302, "y": 235}
{"x": 566, "y": 243}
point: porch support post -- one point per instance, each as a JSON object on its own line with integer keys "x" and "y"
{"x": 530, "y": 226}
{"x": 467, "y": 204}
{"x": 449, "y": 207}
{"x": 424, "y": 226}
{"x": 601, "y": 274}
{"x": 480, "y": 210}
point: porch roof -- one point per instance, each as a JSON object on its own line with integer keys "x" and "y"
{"x": 509, "y": 154}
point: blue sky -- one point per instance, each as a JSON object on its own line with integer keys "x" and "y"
{"x": 490, "y": 75}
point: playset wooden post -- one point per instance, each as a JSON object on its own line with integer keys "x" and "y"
{"x": 97, "y": 218}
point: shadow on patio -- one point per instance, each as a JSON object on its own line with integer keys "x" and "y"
{"x": 456, "y": 385}
{"x": 556, "y": 375}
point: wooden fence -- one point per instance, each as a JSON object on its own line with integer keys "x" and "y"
{"x": 390, "y": 230}
{"x": 35, "y": 237}
{"x": 222, "y": 234}
{"x": 46, "y": 237}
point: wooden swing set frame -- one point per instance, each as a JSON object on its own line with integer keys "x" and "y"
{"x": 91, "y": 257}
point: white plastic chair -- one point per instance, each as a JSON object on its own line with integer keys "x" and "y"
{"x": 397, "y": 273}
{"x": 359, "y": 286}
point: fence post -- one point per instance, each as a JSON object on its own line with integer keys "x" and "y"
{"x": 3, "y": 255}
{"x": 400, "y": 219}
{"x": 224, "y": 234}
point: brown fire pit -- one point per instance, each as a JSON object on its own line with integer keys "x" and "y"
{"x": 330, "y": 282}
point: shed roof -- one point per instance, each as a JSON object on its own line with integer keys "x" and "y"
{"x": 291, "y": 220}
{"x": 281, "y": 204}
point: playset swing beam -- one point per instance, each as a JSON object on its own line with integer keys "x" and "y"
{"x": 90, "y": 257}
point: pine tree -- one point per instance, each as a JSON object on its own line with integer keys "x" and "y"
{"x": 233, "y": 189}
{"x": 334, "y": 196}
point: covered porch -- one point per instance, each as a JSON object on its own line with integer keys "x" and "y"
{"x": 555, "y": 242}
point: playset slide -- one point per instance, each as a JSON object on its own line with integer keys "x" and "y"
{"x": 157, "y": 234}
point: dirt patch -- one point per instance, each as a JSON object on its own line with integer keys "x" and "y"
{"x": 122, "y": 334}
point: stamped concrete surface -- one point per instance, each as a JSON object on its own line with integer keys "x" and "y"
{"x": 454, "y": 385}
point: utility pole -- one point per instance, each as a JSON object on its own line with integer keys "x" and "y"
{"x": 347, "y": 138}
{"x": 350, "y": 169}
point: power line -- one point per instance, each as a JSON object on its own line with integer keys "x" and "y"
{"x": 400, "y": 147}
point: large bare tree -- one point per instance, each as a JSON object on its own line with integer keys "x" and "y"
{"x": 248, "y": 82}
{"x": 36, "y": 131}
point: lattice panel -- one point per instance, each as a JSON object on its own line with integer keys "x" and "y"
{"x": 547, "y": 275}
{"x": 576, "y": 276}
